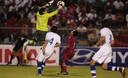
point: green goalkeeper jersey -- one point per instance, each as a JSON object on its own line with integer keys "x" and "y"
{"x": 42, "y": 20}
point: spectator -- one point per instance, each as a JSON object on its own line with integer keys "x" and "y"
{"x": 12, "y": 7}
{"x": 110, "y": 18}
{"x": 82, "y": 30}
{"x": 92, "y": 15}
{"x": 31, "y": 15}
{"x": 118, "y": 4}
{"x": 3, "y": 16}
{"x": 119, "y": 19}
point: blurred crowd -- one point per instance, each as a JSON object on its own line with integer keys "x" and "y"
{"x": 84, "y": 15}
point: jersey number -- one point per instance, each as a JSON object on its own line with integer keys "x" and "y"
{"x": 110, "y": 39}
{"x": 40, "y": 21}
{"x": 51, "y": 41}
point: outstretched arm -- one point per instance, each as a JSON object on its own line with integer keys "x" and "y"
{"x": 48, "y": 4}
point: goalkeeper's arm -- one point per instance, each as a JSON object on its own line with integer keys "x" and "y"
{"x": 48, "y": 4}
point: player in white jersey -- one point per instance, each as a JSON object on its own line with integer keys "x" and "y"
{"x": 52, "y": 40}
{"x": 104, "y": 54}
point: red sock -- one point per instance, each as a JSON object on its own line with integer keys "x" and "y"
{"x": 62, "y": 68}
{"x": 65, "y": 68}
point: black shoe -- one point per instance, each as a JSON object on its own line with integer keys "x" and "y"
{"x": 62, "y": 73}
{"x": 9, "y": 63}
{"x": 123, "y": 72}
{"x": 18, "y": 64}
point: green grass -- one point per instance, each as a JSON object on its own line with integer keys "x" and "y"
{"x": 51, "y": 72}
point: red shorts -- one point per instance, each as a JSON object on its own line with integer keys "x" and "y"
{"x": 68, "y": 55}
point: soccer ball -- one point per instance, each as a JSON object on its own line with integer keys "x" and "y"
{"x": 60, "y": 3}
{"x": 32, "y": 42}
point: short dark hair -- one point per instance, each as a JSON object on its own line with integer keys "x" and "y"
{"x": 41, "y": 10}
{"x": 75, "y": 33}
{"x": 54, "y": 29}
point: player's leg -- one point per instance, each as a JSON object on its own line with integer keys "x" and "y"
{"x": 43, "y": 65}
{"x": 68, "y": 56}
{"x": 39, "y": 68}
{"x": 17, "y": 54}
{"x": 105, "y": 66}
{"x": 98, "y": 57}
{"x": 12, "y": 56}
{"x": 18, "y": 59}
{"x": 63, "y": 67}
{"x": 40, "y": 37}
{"x": 46, "y": 57}
{"x": 10, "y": 62}
{"x": 93, "y": 68}
{"x": 39, "y": 59}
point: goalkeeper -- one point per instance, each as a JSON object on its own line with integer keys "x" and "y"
{"x": 42, "y": 17}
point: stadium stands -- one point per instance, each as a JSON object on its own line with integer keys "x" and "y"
{"x": 75, "y": 11}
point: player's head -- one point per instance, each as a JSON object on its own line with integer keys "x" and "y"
{"x": 42, "y": 10}
{"x": 54, "y": 29}
{"x": 104, "y": 23}
{"x": 74, "y": 33}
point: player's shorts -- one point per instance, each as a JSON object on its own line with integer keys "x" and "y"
{"x": 17, "y": 48}
{"x": 103, "y": 55}
{"x": 40, "y": 35}
{"x": 68, "y": 55}
{"x": 43, "y": 57}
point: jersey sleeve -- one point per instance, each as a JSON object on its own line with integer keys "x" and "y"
{"x": 53, "y": 13}
{"x": 59, "y": 39}
{"x": 112, "y": 36}
{"x": 102, "y": 32}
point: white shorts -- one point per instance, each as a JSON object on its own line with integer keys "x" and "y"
{"x": 103, "y": 55}
{"x": 43, "y": 57}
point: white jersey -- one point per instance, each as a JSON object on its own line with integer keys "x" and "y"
{"x": 104, "y": 54}
{"x": 52, "y": 38}
{"x": 108, "y": 36}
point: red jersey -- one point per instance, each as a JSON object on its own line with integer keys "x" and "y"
{"x": 69, "y": 52}
{"x": 71, "y": 42}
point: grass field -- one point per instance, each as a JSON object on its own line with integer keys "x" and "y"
{"x": 51, "y": 72}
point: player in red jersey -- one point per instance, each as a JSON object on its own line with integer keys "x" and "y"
{"x": 69, "y": 52}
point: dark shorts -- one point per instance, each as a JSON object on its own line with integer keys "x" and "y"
{"x": 17, "y": 48}
{"x": 40, "y": 35}
{"x": 68, "y": 55}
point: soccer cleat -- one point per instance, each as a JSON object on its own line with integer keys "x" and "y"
{"x": 9, "y": 63}
{"x": 59, "y": 73}
{"x": 123, "y": 72}
{"x": 62, "y": 73}
{"x": 38, "y": 74}
{"x": 18, "y": 64}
